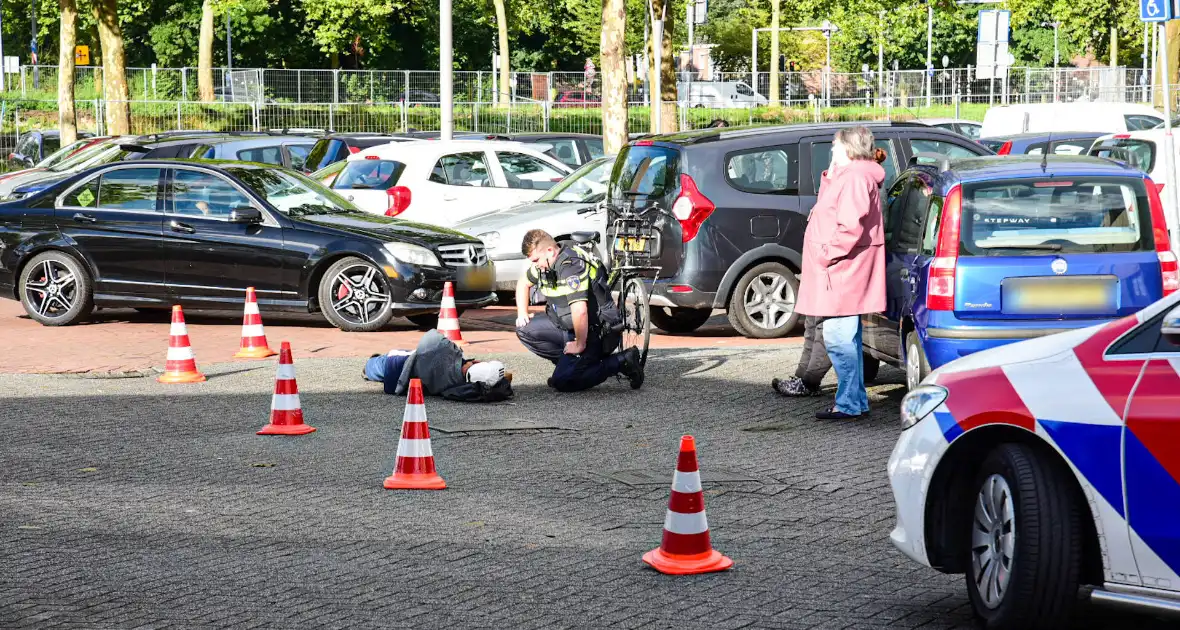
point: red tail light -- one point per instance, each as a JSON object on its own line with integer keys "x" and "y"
{"x": 1005, "y": 148}
{"x": 399, "y": 200}
{"x": 691, "y": 208}
{"x": 940, "y": 290}
{"x": 1159, "y": 188}
{"x": 354, "y": 149}
{"x": 1169, "y": 266}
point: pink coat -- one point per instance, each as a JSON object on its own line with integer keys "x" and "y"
{"x": 844, "y": 246}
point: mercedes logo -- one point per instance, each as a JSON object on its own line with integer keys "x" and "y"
{"x": 472, "y": 257}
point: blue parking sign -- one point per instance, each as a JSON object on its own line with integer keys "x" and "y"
{"x": 1155, "y": 10}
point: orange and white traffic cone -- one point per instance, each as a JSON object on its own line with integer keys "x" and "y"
{"x": 686, "y": 549}
{"x": 414, "y": 469}
{"x": 181, "y": 366}
{"x": 286, "y": 415}
{"x": 448, "y": 316}
{"x": 254, "y": 344}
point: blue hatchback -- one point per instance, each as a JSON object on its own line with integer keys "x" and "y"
{"x": 987, "y": 251}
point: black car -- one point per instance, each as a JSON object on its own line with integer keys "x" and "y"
{"x": 153, "y": 233}
{"x": 336, "y": 147}
{"x": 733, "y": 206}
{"x": 34, "y": 146}
{"x": 1057, "y": 143}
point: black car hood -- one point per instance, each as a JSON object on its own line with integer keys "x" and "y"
{"x": 386, "y": 228}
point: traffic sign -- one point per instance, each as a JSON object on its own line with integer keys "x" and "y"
{"x": 1155, "y": 10}
{"x": 82, "y": 55}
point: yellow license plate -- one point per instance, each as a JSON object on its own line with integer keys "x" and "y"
{"x": 631, "y": 244}
{"x": 477, "y": 279}
{"x": 1061, "y": 296}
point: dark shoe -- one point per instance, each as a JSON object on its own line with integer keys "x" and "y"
{"x": 632, "y": 367}
{"x": 793, "y": 387}
{"x": 832, "y": 414}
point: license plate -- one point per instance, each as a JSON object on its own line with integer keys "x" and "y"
{"x": 1060, "y": 296}
{"x": 631, "y": 244}
{"x": 478, "y": 278}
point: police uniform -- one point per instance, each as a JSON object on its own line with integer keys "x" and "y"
{"x": 575, "y": 276}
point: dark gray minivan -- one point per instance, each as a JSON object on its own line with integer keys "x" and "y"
{"x": 733, "y": 208}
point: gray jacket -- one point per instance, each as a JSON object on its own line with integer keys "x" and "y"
{"x": 437, "y": 361}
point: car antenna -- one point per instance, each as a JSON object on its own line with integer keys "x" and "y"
{"x": 1045, "y": 154}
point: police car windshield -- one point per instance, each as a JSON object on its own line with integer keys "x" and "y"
{"x": 1069, "y": 215}
{"x": 585, "y": 185}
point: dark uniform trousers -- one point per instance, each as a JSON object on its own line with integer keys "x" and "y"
{"x": 573, "y": 373}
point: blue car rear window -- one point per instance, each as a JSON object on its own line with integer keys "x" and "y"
{"x": 1067, "y": 215}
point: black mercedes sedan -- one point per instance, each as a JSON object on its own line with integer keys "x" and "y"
{"x": 152, "y": 233}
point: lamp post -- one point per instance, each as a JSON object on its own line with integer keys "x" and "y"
{"x": 881, "y": 54}
{"x": 1056, "y": 56}
{"x": 929, "y": 48}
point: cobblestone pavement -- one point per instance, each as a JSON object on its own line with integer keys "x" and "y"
{"x": 143, "y": 338}
{"x": 125, "y": 503}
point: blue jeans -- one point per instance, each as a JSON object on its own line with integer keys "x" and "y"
{"x": 842, "y": 340}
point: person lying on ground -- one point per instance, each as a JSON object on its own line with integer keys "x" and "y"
{"x": 443, "y": 370}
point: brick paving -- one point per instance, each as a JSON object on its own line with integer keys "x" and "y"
{"x": 125, "y": 503}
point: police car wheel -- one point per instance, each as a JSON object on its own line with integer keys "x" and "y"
{"x": 355, "y": 296}
{"x": 1024, "y": 545}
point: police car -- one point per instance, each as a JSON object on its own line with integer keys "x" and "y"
{"x": 1049, "y": 468}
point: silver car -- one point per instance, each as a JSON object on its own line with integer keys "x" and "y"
{"x": 570, "y": 206}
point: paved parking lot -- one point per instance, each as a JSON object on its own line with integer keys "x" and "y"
{"x": 125, "y": 503}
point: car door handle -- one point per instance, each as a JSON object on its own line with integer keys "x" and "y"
{"x": 183, "y": 228}
{"x": 446, "y": 198}
{"x": 84, "y": 218}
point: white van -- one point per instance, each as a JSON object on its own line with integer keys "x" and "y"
{"x": 1007, "y": 120}
{"x": 718, "y": 94}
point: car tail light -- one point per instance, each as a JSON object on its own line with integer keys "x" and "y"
{"x": 691, "y": 208}
{"x": 940, "y": 290}
{"x": 643, "y": 143}
{"x": 1005, "y": 148}
{"x": 354, "y": 150}
{"x": 1169, "y": 266}
{"x": 1159, "y": 188}
{"x": 1122, "y": 136}
{"x": 679, "y": 288}
{"x": 372, "y": 157}
{"x": 399, "y": 200}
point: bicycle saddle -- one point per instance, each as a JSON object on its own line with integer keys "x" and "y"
{"x": 585, "y": 237}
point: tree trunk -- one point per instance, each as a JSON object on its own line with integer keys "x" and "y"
{"x": 775, "y": 14}
{"x": 612, "y": 57}
{"x": 67, "y": 121}
{"x": 205, "y": 53}
{"x": 505, "y": 97}
{"x": 667, "y": 96}
{"x": 114, "y": 68}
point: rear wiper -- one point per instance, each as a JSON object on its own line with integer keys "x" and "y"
{"x": 1051, "y": 247}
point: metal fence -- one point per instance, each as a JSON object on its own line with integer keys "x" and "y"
{"x": 905, "y": 87}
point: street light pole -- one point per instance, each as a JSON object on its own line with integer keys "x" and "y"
{"x": 929, "y": 49}
{"x": 1056, "y": 57}
{"x": 881, "y": 54}
{"x": 445, "y": 69}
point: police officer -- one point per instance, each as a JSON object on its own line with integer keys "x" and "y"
{"x": 576, "y": 332}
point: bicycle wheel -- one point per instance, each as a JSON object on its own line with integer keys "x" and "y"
{"x": 636, "y": 314}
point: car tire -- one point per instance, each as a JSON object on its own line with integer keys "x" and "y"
{"x": 1020, "y": 492}
{"x": 679, "y": 321}
{"x": 768, "y": 275}
{"x": 916, "y": 366}
{"x": 55, "y": 289}
{"x": 872, "y": 368}
{"x": 424, "y": 321}
{"x": 361, "y": 279}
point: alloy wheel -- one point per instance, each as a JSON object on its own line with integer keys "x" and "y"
{"x": 913, "y": 368}
{"x": 769, "y": 301}
{"x": 359, "y": 294}
{"x": 51, "y": 289}
{"x": 993, "y": 540}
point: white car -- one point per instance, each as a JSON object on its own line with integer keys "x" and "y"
{"x": 1008, "y": 120}
{"x": 1049, "y": 468}
{"x": 570, "y": 206}
{"x": 442, "y": 183}
{"x": 1143, "y": 150}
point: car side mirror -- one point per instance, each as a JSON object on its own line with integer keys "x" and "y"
{"x": 245, "y": 214}
{"x": 1170, "y": 327}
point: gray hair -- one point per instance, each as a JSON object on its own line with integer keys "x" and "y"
{"x": 858, "y": 141}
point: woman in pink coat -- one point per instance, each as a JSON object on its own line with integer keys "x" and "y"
{"x": 844, "y": 262}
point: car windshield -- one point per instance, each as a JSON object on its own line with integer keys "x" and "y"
{"x": 99, "y": 153}
{"x": 1069, "y": 215}
{"x": 63, "y": 153}
{"x": 585, "y": 185}
{"x": 292, "y": 194}
{"x": 1134, "y": 152}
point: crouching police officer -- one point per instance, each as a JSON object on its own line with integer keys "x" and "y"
{"x": 576, "y": 333}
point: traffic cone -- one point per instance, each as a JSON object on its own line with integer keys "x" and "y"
{"x": 448, "y": 316}
{"x": 685, "y": 549}
{"x": 414, "y": 469}
{"x": 181, "y": 366}
{"x": 286, "y": 415}
{"x": 254, "y": 344}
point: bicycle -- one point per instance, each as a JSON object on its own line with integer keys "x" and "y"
{"x": 634, "y": 245}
